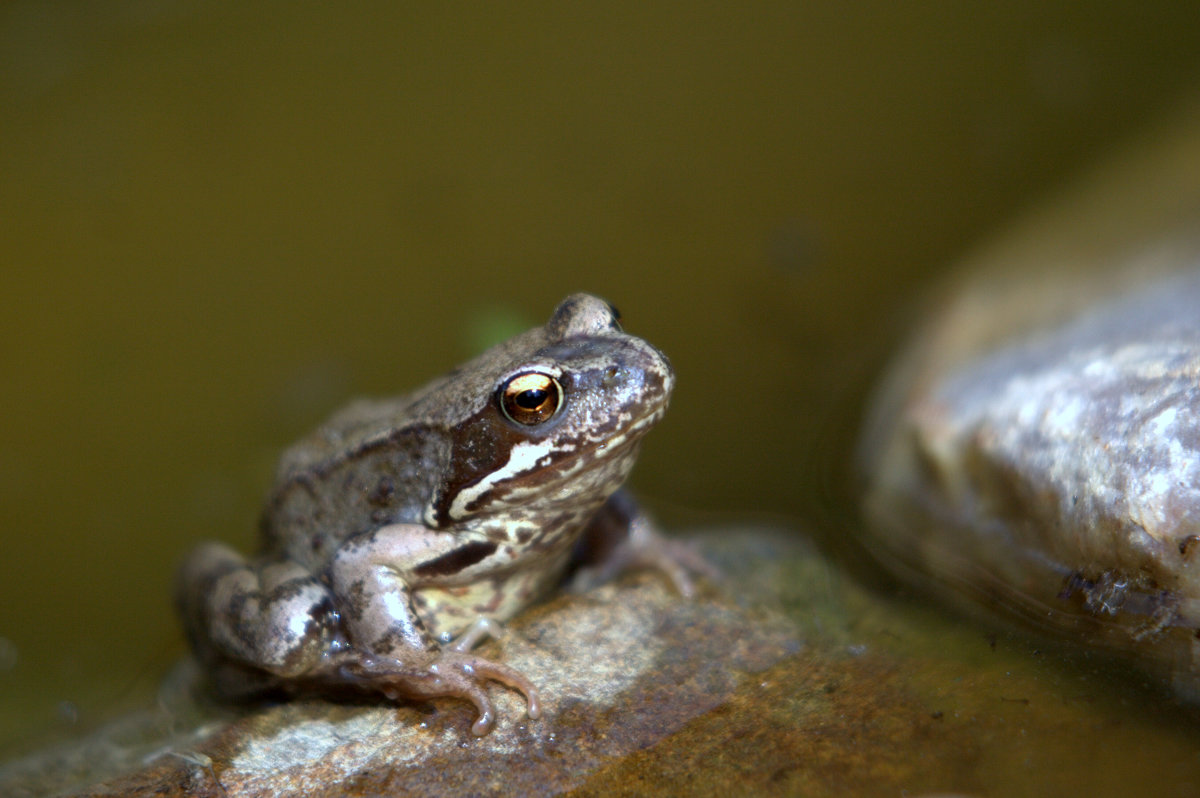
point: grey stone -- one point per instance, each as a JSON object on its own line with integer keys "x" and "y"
{"x": 1035, "y": 448}
{"x": 1060, "y": 475}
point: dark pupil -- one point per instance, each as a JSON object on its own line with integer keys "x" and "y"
{"x": 531, "y": 399}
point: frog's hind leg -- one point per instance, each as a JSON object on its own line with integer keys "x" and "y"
{"x": 271, "y": 616}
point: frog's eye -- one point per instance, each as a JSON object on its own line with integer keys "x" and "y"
{"x": 530, "y": 398}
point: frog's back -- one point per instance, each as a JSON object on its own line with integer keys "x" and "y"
{"x": 358, "y": 471}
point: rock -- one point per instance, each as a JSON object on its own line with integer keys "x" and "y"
{"x": 783, "y": 679}
{"x": 619, "y": 668}
{"x": 1037, "y": 446}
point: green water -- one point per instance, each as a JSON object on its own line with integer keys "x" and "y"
{"x": 219, "y": 222}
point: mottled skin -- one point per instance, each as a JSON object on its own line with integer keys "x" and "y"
{"x": 406, "y": 523}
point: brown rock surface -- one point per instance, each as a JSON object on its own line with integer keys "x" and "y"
{"x": 619, "y": 668}
{"x": 784, "y": 679}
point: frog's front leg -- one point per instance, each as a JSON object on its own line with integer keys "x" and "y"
{"x": 621, "y": 536}
{"x": 372, "y": 577}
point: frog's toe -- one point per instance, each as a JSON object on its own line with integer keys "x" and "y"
{"x": 461, "y": 675}
{"x": 464, "y": 687}
{"x": 457, "y": 675}
{"x": 511, "y": 678}
{"x": 678, "y": 560}
{"x": 481, "y": 628}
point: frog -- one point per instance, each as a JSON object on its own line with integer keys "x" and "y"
{"x": 404, "y": 531}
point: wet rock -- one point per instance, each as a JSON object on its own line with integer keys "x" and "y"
{"x": 619, "y": 668}
{"x": 1037, "y": 447}
{"x": 784, "y": 679}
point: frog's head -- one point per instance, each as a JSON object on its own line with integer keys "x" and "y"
{"x": 555, "y": 419}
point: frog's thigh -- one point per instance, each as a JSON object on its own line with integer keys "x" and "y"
{"x": 275, "y": 616}
{"x": 374, "y": 574}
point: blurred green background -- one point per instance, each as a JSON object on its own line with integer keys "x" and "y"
{"x": 220, "y": 221}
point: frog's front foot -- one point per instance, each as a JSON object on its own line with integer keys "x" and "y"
{"x": 644, "y": 547}
{"x": 677, "y": 559}
{"x": 449, "y": 673}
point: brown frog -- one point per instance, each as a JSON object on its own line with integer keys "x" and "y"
{"x": 404, "y": 530}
